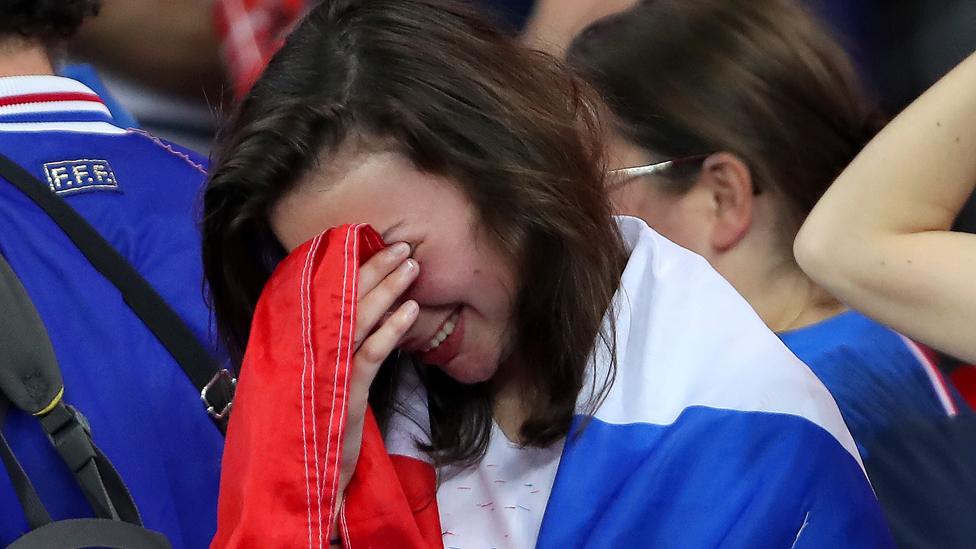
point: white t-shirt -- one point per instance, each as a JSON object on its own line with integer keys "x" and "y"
{"x": 500, "y": 502}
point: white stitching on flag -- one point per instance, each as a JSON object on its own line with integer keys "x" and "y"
{"x": 319, "y": 481}
{"x": 305, "y": 345}
{"x": 335, "y": 377}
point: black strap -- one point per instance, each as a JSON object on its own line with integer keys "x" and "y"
{"x": 78, "y": 533}
{"x": 34, "y": 509}
{"x": 157, "y": 315}
{"x": 67, "y": 429}
{"x": 98, "y": 479}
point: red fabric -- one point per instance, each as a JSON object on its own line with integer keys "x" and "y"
{"x": 964, "y": 378}
{"x": 933, "y": 364}
{"x": 384, "y": 490}
{"x": 250, "y": 32}
{"x": 281, "y": 461}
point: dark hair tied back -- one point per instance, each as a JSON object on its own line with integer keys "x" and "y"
{"x": 762, "y": 79}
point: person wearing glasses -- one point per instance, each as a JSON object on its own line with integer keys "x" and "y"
{"x": 573, "y": 380}
{"x": 732, "y": 117}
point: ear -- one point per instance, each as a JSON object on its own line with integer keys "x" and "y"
{"x": 728, "y": 180}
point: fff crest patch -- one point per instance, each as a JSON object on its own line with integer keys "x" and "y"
{"x": 78, "y": 176}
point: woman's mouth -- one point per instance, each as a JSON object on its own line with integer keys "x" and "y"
{"x": 446, "y": 329}
{"x": 445, "y": 343}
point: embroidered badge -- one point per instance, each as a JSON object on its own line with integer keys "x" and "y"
{"x": 77, "y": 176}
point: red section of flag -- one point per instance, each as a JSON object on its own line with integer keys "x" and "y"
{"x": 391, "y": 501}
{"x": 281, "y": 462}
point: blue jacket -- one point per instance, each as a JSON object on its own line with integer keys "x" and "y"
{"x": 142, "y": 195}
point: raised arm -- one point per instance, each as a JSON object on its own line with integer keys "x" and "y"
{"x": 880, "y": 238}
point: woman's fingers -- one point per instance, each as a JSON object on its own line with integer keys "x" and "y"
{"x": 374, "y": 304}
{"x": 374, "y": 351}
{"x": 380, "y": 265}
{"x": 366, "y": 363}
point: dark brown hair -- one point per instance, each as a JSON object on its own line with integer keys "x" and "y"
{"x": 758, "y": 78}
{"x": 44, "y": 20}
{"x": 514, "y": 129}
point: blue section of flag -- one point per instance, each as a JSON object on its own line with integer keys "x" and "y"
{"x": 704, "y": 480}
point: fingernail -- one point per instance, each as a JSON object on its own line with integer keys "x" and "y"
{"x": 410, "y": 265}
{"x": 411, "y": 308}
{"x": 401, "y": 249}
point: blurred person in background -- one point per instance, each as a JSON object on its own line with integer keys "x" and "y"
{"x": 172, "y": 64}
{"x": 138, "y": 193}
{"x": 732, "y": 118}
{"x": 554, "y": 23}
{"x": 160, "y": 59}
{"x": 250, "y": 32}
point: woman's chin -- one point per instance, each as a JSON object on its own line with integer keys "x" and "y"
{"x": 467, "y": 371}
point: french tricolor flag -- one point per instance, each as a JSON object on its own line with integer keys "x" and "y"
{"x": 712, "y": 435}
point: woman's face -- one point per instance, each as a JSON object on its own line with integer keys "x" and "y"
{"x": 465, "y": 279}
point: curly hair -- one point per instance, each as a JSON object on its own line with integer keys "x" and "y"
{"x": 44, "y": 20}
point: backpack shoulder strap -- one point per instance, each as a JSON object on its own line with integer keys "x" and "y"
{"x": 77, "y": 533}
{"x": 34, "y": 509}
{"x": 31, "y": 379}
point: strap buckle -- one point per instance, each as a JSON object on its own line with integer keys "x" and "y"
{"x": 221, "y": 389}
{"x": 70, "y": 434}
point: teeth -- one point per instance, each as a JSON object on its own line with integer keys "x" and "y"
{"x": 446, "y": 330}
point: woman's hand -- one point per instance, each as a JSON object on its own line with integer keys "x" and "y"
{"x": 382, "y": 281}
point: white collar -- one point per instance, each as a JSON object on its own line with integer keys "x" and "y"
{"x": 52, "y": 103}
